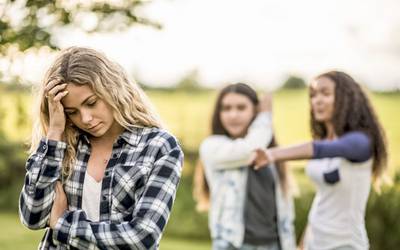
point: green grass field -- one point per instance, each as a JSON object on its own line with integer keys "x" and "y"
{"x": 15, "y": 236}
{"x": 187, "y": 115}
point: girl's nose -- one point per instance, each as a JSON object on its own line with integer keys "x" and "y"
{"x": 86, "y": 117}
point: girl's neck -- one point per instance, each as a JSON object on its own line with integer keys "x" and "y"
{"x": 330, "y": 135}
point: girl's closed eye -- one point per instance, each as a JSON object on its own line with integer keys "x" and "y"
{"x": 92, "y": 103}
{"x": 69, "y": 113}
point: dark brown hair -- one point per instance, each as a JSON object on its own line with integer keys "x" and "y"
{"x": 354, "y": 112}
{"x": 239, "y": 88}
{"x": 201, "y": 189}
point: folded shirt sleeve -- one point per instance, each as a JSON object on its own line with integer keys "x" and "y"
{"x": 43, "y": 169}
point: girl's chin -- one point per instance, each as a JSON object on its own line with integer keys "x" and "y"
{"x": 236, "y": 134}
{"x": 97, "y": 134}
{"x": 320, "y": 118}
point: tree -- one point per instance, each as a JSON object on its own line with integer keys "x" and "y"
{"x": 189, "y": 82}
{"x": 28, "y": 24}
{"x": 294, "y": 82}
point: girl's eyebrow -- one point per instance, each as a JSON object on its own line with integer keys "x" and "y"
{"x": 84, "y": 101}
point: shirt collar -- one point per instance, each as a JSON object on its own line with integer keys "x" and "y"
{"x": 130, "y": 135}
{"x": 84, "y": 137}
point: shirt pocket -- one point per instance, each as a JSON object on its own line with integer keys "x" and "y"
{"x": 129, "y": 182}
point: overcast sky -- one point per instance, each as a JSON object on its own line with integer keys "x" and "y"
{"x": 259, "y": 42}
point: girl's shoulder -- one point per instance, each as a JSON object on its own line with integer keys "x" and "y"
{"x": 356, "y": 134}
{"x": 355, "y": 138}
{"x": 158, "y": 137}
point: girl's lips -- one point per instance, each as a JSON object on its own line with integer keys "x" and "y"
{"x": 94, "y": 127}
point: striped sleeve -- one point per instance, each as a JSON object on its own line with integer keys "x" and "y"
{"x": 42, "y": 171}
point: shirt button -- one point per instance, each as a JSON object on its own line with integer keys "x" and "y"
{"x": 31, "y": 189}
{"x": 107, "y": 174}
{"x": 44, "y": 147}
{"x": 115, "y": 156}
{"x": 104, "y": 197}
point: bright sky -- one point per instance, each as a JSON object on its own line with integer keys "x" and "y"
{"x": 259, "y": 42}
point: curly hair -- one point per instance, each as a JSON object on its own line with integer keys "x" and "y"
{"x": 354, "y": 112}
{"x": 85, "y": 66}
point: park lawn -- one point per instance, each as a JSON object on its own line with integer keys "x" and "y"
{"x": 187, "y": 115}
{"x": 13, "y": 235}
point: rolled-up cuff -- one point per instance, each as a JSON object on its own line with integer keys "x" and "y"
{"x": 55, "y": 149}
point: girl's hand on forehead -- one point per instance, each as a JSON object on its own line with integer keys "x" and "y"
{"x": 54, "y": 92}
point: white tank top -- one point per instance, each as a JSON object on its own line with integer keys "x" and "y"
{"x": 91, "y": 197}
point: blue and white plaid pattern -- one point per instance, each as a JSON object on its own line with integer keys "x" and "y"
{"x": 138, "y": 190}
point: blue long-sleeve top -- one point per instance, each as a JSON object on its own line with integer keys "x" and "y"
{"x": 353, "y": 146}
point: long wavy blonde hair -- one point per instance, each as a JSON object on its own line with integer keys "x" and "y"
{"x": 108, "y": 81}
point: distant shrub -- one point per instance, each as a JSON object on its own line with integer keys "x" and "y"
{"x": 12, "y": 170}
{"x": 294, "y": 82}
{"x": 383, "y": 218}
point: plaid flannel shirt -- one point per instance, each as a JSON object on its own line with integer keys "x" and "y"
{"x": 138, "y": 191}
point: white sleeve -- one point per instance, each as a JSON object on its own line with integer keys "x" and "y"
{"x": 222, "y": 152}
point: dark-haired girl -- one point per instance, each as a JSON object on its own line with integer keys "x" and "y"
{"x": 348, "y": 152}
{"x": 249, "y": 209}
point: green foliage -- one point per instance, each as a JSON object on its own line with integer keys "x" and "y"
{"x": 189, "y": 82}
{"x": 12, "y": 162}
{"x": 15, "y": 86}
{"x": 11, "y": 156}
{"x": 294, "y": 82}
{"x": 33, "y": 31}
{"x": 302, "y": 207}
{"x": 383, "y": 213}
{"x": 21, "y": 120}
{"x": 185, "y": 221}
{"x": 30, "y": 24}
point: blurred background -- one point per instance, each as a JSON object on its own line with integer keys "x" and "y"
{"x": 181, "y": 52}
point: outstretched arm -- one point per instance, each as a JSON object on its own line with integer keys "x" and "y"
{"x": 354, "y": 146}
